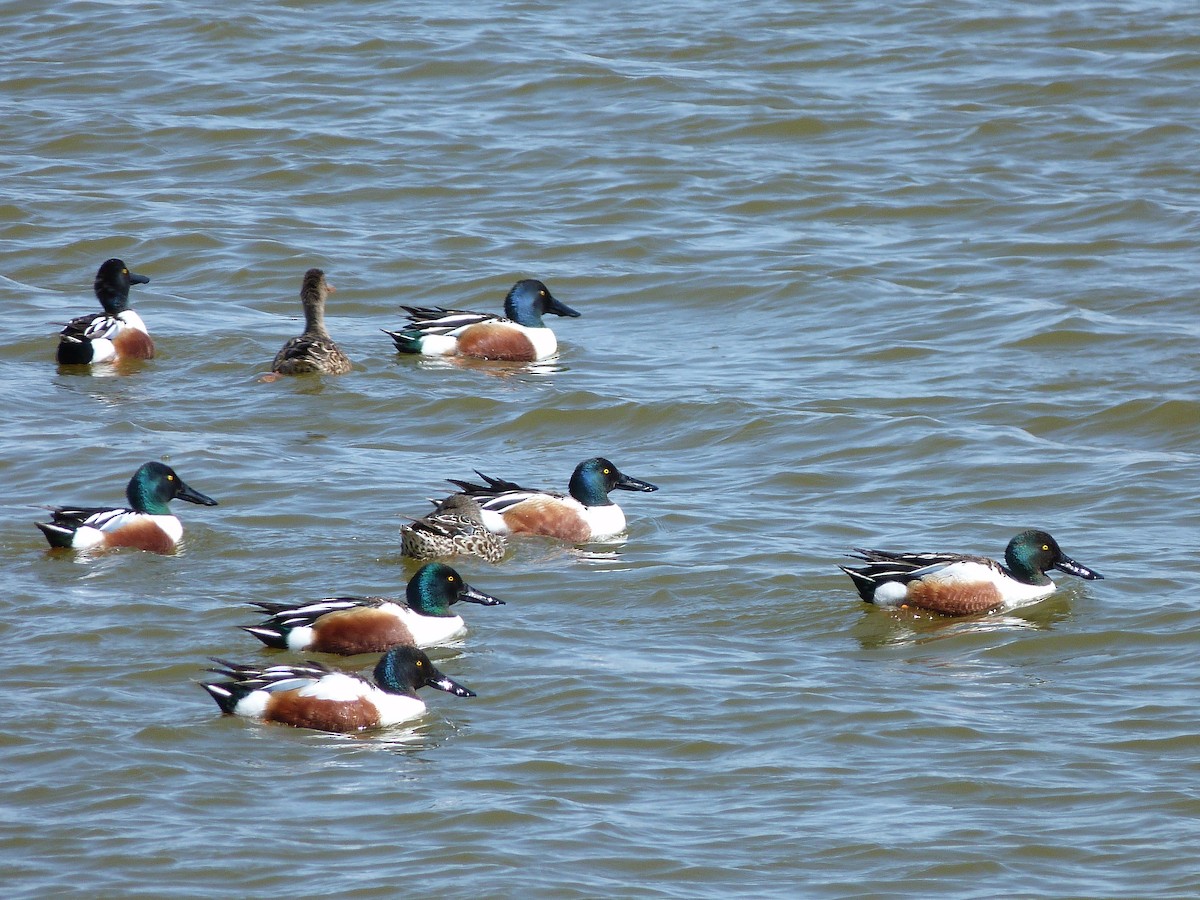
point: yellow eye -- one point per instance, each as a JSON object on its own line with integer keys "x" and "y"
{"x": 124, "y": 271}
{"x": 450, "y": 578}
{"x": 420, "y": 664}
{"x": 608, "y": 471}
{"x": 170, "y": 478}
{"x": 1045, "y": 546}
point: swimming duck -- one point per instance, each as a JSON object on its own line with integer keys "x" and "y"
{"x": 958, "y": 585}
{"x": 146, "y": 525}
{"x": 314, "y": 350}
{"x": 455, "y": 527}
{"x": 519, "y": 335}
{"x": 586, "y": 515}
{"x": 116, "y": 333}
{"x": 350, "y": 625}
{"x": 311, "y": 695}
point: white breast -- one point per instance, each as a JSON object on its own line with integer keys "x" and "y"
{"x": 605, "y": 521}
{"x": 543, "y": 340}
{"x": 396, "y": 708}
{"x": 428, "y": 631}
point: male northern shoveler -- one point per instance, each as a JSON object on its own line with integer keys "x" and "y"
{"x": 349, "y": 625}
{"x": 957, "y": 585}
{"x": 455, "y": 527}
{"x": 314, "y": 350}
{"x": 586, "y": 515}
{"x": 519, "y": 335}
{"x": 311, "y": 695}
{"x": 146, "y": 525}
{"x": 116, "y": 333}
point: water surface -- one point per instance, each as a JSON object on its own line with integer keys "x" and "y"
{"x": 913, "y": 276}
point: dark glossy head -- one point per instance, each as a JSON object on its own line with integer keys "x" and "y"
{"x": 529, "y": 300}
{"x": 1032, "y": 553}
{"x": 113, "y": 279}
{"x": 154, "y": 485}
{"x": 404, "y": 669}
{"x": 436, "y": 586}
{"x": 594, "y": 478}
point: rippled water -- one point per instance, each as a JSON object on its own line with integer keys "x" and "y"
{"x": 912, "y": 276}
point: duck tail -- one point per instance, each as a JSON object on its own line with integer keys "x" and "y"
{"x": 406, "y": 341}
{"x": 272, "y": 637}
{"x": 226, "y": 694}
{"x": 863, "y": 582}
{"x": 56, "y": 534}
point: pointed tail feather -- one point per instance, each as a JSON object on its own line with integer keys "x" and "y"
{"x": 57, "y": 535}
{"x": 269, "y": 636}
{"x": 406, "y": 341}
{"x": 226, "y": 695}
{"x": 862, "y": 582}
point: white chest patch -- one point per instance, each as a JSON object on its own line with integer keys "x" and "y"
{"x": 605, "y": 521}
{"x": 543, "y": 340}
{"x": 169, "y": 524}
{"x": 396, "y": 708}
{"x": 428, "y": 631}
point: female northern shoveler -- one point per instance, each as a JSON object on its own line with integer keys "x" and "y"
{"x": 349, "y": 625}
{"x": 116, "y": 333}
{"x": 519, "y": 335}
{"x": 586, "y": 515}
{"x": 314, "y": 350}
{"x": 146, "y": 525}
{"x": 956, "y": 585}
{"x": 311, "y": 695}
{"x": 455, "y": 527}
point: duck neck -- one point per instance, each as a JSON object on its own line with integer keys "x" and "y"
{"x": 388, "y": 677}
{"x": 1020, "y": 569}
{"x": 314, "y": 314}
{"x": 522, "y": 312}
{"x": 587, "y": 492}
{"x": 421, "y": 600}
{"x": 145, "y": 499}
{"x": 113, "y": 297}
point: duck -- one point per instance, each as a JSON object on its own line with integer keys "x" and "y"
{"x": 455, "y": 527}
{"x": 587, "y": 514}
{"x": 519, "y": 335}
{"x": 351, "y": 625}
{"x": 314, "y": 350}
{"x": 146, "y": 524}
{"x": 955, "y": 584}
{"x": 312, "y": 695}
{"x": 116, "y": 333}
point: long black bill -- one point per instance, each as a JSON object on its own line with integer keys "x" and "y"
{"x": 556, "y": 306}
{"x": 194, "y": 496}
{"x": 626, "y": 483}
{"x": 449, "y": 685}
{"x": 471, "y": 595}
{"x": 1068, "y": 565}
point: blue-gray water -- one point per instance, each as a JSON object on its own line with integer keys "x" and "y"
{"x": 915, "y": 276}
